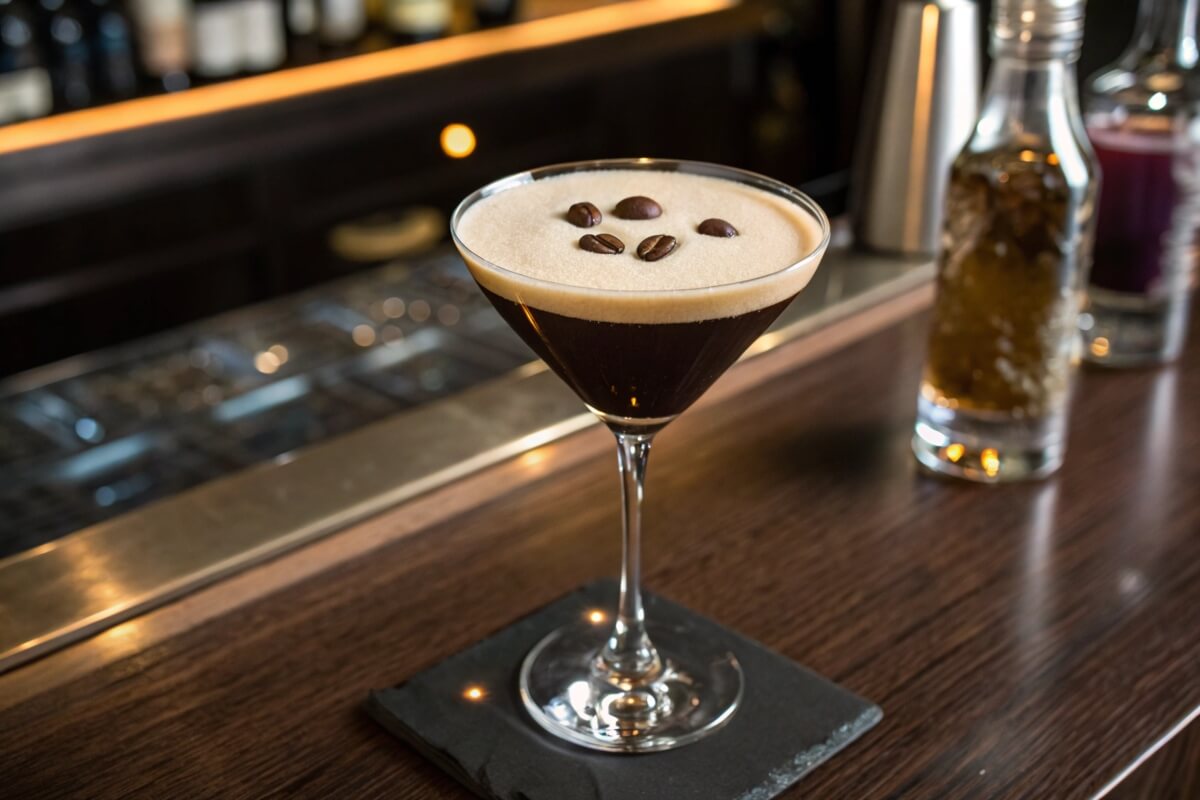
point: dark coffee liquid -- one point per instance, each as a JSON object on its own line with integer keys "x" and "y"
{"x": 650, "y": 370}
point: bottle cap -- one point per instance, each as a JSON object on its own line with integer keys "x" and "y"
{"x": 1038, "y": 29}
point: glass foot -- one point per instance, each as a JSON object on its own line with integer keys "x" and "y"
{"x": 1121, "y": 330}
{"x": 569, "y": 692}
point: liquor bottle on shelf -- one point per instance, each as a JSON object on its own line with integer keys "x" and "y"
{"x": 25, "y": 88}
{"x": 303, "y": 22}
{"x": 490, "y": 13}
{"x": 216, "y": 39}
{"x": 70, "y": 54}
{"x": 1143, "y": 115}
{"x": 410, "y": 21}
{"x": 263, "y": 35}
{"x": 164, "y": 45}
{"x": 343, "y": 23}
{"x": 112, "y": 37}
{"x": 1016, "y": 243}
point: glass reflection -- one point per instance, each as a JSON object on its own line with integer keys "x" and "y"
{"x": 1036, "y": 590}
{"x": 1141, "y": 540}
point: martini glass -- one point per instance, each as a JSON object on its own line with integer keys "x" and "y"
{"x": 637, "y": 687}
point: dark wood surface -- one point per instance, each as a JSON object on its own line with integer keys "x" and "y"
{"x": 1171, "y": 773}
{"x": 1024, "y": 641}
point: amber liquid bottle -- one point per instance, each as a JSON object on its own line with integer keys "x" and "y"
{"x": 1015, "y": 251}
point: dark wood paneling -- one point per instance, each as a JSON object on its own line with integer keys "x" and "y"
{"x": 122, "y": 228}
{"x": 1024, "y": 641}
{"x": 101, "y": 307}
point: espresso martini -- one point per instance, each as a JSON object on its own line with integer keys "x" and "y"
{"x": 639, "y": 282}
{"x": 639, "y": 288}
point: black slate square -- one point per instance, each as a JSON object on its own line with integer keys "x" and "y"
{"x": 791, "y": 720}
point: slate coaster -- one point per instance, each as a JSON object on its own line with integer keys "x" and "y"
{"x": 791, "y": 720}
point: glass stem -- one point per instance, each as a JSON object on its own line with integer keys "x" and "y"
{"x": 629, "y": 654}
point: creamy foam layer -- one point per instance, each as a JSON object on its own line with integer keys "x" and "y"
{"x": 523, "y": 230}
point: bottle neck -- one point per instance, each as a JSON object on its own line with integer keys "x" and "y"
{"x": 1029, "y": 101}
{"x": 1169, "y": 27}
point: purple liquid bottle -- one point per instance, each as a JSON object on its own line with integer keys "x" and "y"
{"x": 1142, "y": 123}
{"x": 1135, "y": 211}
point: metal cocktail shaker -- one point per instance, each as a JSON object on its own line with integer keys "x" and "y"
{"x": 922, "y": 102}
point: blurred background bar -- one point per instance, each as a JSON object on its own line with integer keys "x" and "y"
{"x": 134, "y": 217}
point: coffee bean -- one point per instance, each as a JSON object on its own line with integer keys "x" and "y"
{"x": 584, "y": 215}
{"x": 638, "y": 207}
{"x": 653, "y": 248}
{"x": 717, "y": 227}
{"x": 604, "y": 243}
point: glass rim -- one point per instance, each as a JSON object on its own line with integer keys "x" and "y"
{"x": 704, "y": 168}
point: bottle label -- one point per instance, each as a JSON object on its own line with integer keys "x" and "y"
{"x": 342, "y": 20}
{"x": 302, "y": 17}
{"x": 217, "y": 39}
{"x": 25, "y": 94}
{"x": 264, "y": 42}
{"x": 163, "y": 35}
{"x": 420, "y": 17}
{"x": 160, "y": 12}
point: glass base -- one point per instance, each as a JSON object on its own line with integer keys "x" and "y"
{"x": 632, "y": 426}
{"x": 987, "y": 447}
{"x": 568, "y": 691}
{"x": 1129, "y": 330}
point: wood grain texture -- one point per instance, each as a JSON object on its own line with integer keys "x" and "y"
{"x": 1024, "y": 641}
{"x": 1171, "y": 773}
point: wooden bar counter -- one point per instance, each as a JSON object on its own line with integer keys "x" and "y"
{"x": 1027, "y": 641}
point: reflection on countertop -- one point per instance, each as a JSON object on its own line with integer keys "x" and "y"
{"x": 90, "y": 439}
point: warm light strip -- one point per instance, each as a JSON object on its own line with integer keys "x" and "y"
{"x": 300, "y": 81}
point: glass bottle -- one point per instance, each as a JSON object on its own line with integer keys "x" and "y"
{"x": 70, "y": 54}
{"x": 25, "y": 89}
{"x": 162, "y": 34}
{"x": 303, "y": 22}
{"x": 1015, "y": 249}
{"x": 343, "y": 24}
{"x": 263, "y": 34}
{"x": 1142, "y": 120}
{"x": 112, "y": 39}
{"x": 216, "y": 39}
